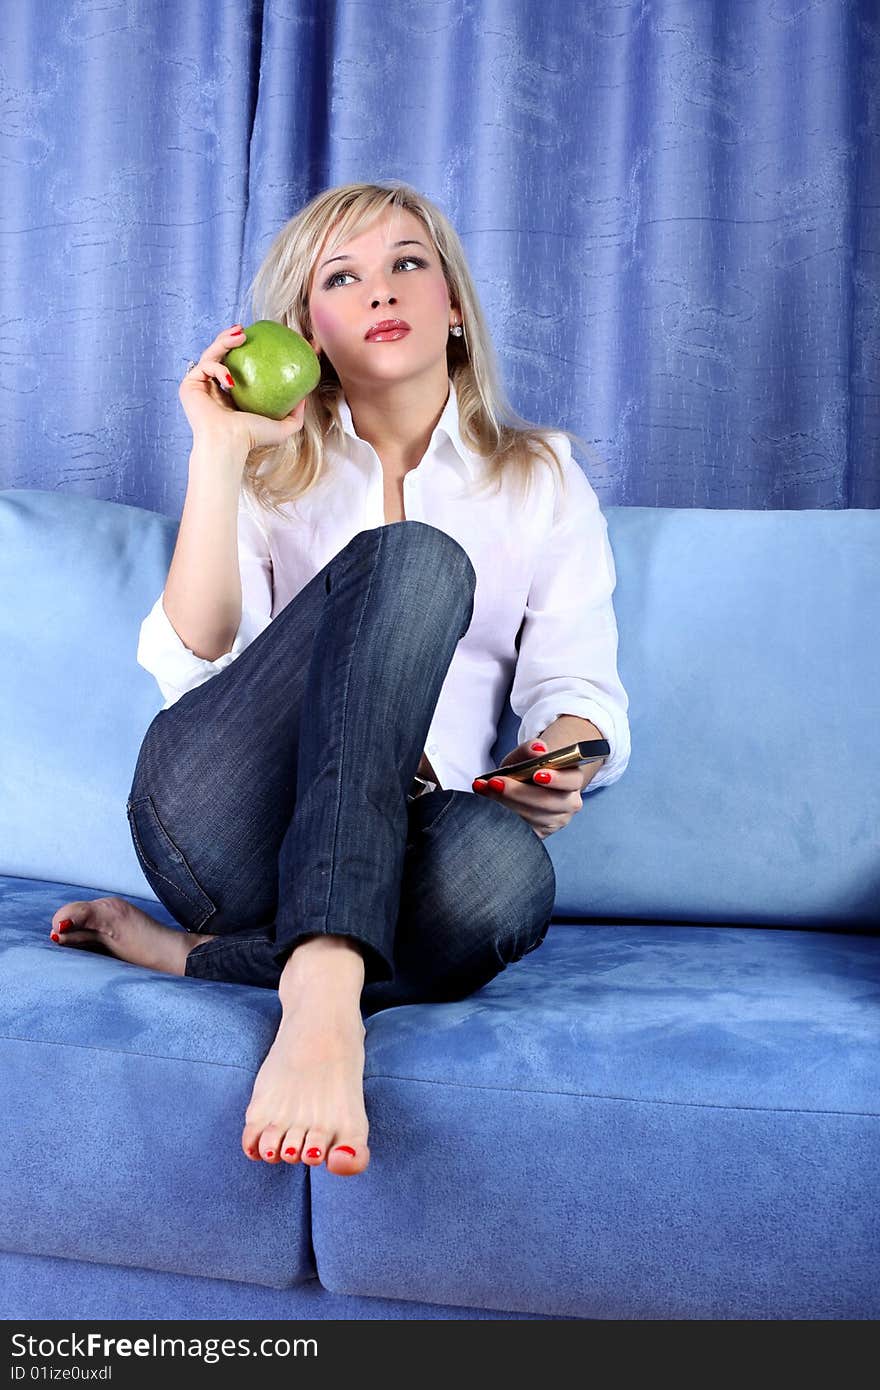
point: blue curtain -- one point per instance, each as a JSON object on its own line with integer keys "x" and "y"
{"x": 670, "y": 209}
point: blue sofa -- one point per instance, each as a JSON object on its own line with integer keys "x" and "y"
{"x": 669, "y": 1111}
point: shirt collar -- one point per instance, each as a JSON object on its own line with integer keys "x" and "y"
{"x": 447, "y": 425}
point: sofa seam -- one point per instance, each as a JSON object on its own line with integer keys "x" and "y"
{"x": 628, "y": 1100}
{"x": 122, "y": 1052}
{"x": 462, "y": 1085}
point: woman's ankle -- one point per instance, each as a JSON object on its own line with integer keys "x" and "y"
{"x": 334, "y": 962}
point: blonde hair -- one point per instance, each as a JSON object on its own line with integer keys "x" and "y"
{"x": 488, "y": 425}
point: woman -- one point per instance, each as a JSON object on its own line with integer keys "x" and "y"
{"x": 351, "y": 591}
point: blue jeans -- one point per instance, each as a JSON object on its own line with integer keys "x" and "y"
{"x": 273, "y": 802}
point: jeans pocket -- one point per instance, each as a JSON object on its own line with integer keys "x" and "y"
{"x": 165, "y": 867}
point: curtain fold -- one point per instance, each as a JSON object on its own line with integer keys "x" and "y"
{"x": 671, "y": 211}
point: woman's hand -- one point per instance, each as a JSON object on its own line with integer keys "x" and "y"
{"x": 204, "y": 395}
{"x": 548, "y": 800}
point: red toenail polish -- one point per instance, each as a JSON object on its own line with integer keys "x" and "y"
{"x": 290, "y": 1151}
{"x": 65, "y": 925}
{"x": 55, "y": 936}
{"x": 313, "y": 1153}
{"x": 344, "y": 1149}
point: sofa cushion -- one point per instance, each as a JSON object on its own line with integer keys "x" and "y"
{"x": 124, "y": 1098}
{"x": 748, "y": 649}
{"x": 634, "y": 1121}
{"x": 77, "y": 577}
{"x": 644, "y": 1122}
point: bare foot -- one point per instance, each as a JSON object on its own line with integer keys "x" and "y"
{"x": 115, "y": 927}
{"x": 308, "y": 1099}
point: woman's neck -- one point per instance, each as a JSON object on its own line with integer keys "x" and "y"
{"x": 399, "y": 422}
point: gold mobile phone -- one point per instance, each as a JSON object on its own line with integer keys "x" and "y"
{"x": 574, "y": 755}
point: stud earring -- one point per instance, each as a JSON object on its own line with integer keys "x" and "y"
{"x": 456, "y": 330}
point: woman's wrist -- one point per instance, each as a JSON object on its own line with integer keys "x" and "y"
{"x": 219, "y": 451}
{"x": 569, "y": 728}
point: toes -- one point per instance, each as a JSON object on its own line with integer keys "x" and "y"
{"x": 250, "y": 1142}
{"x": 274, "y": 1145}
{"x": 68, "y": 917}
{"x": 292, "y": 1146}
{"x": 315, "y": 1146}
{"x": 262, "y": 1143}
{"x": 346, "y": 1159}
{"x": 270, "y": 1143}
{"x": 72, "y": 925}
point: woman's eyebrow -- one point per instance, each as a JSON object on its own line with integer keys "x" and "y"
{"x": 390, "y": 245}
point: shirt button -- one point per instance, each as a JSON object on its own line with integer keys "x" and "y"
{"x": 432, "y": 748}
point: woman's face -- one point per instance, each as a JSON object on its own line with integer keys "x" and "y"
{"x": 378, "y": 280}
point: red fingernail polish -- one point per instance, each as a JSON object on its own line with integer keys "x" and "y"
{"x": 270, "y": 1153}
{"x": 543, "y": 777}
{"x": 290, "y": 1151}
{"x": 344, "y": 1149}
{"x": 539, "y": 747}
{"x": 496, "y": 784}
{"x": 313, "y": 1153}
{"x": 478, "y": 782}
{"x": 229, "y": 379}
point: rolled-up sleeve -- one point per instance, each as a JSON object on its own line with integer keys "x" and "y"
{"x": 567, "y": 661}
{"x": 161, "y": 651}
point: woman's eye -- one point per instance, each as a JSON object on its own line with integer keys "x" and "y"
{"x": 413, "y": 260}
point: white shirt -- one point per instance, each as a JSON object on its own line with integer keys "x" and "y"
{"x": 548, "y": 570}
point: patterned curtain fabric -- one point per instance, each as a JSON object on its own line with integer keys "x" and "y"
{"x": 670, "y": 209}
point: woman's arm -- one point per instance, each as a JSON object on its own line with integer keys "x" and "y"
{"x": 567, "y": 659}
{"x": 163, "y": 648}
{"x": 202, "y": 598}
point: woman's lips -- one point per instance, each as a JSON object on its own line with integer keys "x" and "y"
{"x": 388, "y": 335}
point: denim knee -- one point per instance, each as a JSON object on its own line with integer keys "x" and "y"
{"x": 513, "y": 914}
{"x": 424, "y": 535}
{"x": 438, "y": 551}
{"x": 488, "y": 883}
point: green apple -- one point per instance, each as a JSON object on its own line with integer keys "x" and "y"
{"x": 273, "y": 369}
